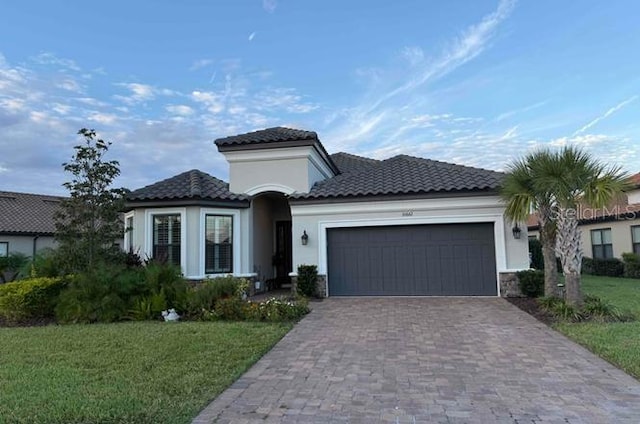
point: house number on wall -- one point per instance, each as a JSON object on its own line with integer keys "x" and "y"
{"x": 407, "y": 213}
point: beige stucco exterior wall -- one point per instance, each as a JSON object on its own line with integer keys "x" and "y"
{"x": 620, "y": 236}
{"x": 511, "y": 254}
{"x": 24, "y": 244}
{"x": 192, "y": 241}
{"x": 284, "y": 170}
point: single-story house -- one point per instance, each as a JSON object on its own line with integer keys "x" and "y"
{"x": 26, "y": 222}
{"x": 400, "y": 226}
{"x": 610, "y": 231}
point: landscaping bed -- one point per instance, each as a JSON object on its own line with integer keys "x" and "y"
{"x": 616, "y": 342}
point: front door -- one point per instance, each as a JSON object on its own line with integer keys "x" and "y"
{"x": 283, "y": 259}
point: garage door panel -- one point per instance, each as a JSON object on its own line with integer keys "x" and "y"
{"x": 447, "y": 259}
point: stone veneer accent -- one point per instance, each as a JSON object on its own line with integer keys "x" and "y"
{"x": 509, "y": 285}
{"x": 321, "y": 286}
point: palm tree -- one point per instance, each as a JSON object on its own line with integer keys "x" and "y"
{"x": 577, "y": 179}
{"x": 522, "y": 196}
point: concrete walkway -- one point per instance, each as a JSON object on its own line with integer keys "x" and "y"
{"x": 426, "y": 360}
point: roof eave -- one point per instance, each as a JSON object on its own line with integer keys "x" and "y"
{"x": 401, "y": 196}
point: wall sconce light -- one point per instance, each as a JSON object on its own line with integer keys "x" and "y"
{"x": 516, "y": 232}
{"x": 304, "y": 238}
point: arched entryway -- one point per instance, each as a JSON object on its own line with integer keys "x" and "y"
{"x": 272, "y": 248}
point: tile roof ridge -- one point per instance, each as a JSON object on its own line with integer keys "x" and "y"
{"x": 356, "y": 156}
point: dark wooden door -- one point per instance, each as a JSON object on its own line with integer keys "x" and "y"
{"x": 283, "y": 258}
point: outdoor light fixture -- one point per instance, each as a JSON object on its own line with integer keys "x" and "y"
{"x": 305, "y": 238}
{"x": 516, "y": 231}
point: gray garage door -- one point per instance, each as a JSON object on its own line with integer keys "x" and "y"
{"x": 412, "y": 260}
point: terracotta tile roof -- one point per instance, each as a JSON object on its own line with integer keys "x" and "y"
{"x": 404, "y": 174}
{"x": 24, "y": 213}
{"x": 635, "y": 180}
{"x": 192, "y": 184}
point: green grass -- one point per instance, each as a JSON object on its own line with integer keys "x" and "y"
{"x": 624, "y": 293}
{"x": 618, "y": 343}
{"x": 124, "y": 373}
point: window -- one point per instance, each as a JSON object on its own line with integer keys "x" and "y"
{"x": 4, "y": 249}
{"x": 129, "y": 233}
{"x": 218, "y": 255}
{"x": 601, "y": 244}
{"x": 166, "y": 238}
{"x": 635, "y": 239}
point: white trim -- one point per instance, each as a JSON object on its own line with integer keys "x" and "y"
{"x": 416, "y": 205}
{"x": 148, "y": 225}
{"x": 496, "y": 219}
{"x": 128, "y": 235}
{"x": 262, "y": 188}
{"x": 235, "y": 233}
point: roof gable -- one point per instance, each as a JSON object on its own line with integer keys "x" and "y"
{"x": 25, "y": 213}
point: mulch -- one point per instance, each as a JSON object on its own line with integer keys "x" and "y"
{"x": 35, "y": 322}
{"x": 530, "y": 306}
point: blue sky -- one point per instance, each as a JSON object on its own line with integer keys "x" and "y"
{"x": 472, "y": 82}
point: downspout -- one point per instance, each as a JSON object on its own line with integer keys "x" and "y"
{"x": 35, "y": 245}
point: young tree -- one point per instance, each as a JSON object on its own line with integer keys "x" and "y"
{"x": 88, "y": 222}
{"x": 522, "y": 196}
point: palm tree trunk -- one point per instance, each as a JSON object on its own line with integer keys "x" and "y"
{"x": 550, "y": 268}
{"x": 548, "y": 241}
{"x": 573, "y": 290}
{"x": 569, "y": 248}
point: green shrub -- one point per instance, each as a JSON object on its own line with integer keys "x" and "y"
{"x": 593, "y": 309}
{"x": 307, "y": 279}
{"x": 535, "y": 252}
{"x": 32, "y": 298}
{"x": 631, "y": 265}
{"x": 549, "y": 302}
{"x": 276, "y": 310}
{"x": 202, "y": 298}
{"x": 11, "y": 266}
{"x": 587, "y": 266}
{"x": 104, "y": 294}
{"x": 230, "y": 309}
{"x": 166, "y": 279}
{"x": 612, "y": 267}
{"x": 531, "y": 283}
{"x": 148, "y": 307}
{"x": 45, "y": 264}
{"x": 565, "y": 312}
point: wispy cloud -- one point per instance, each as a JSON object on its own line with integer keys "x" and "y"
{"x": 141, "y": 92}
{"x": 252, "y": 36}
{"x": 48, "y": 58}
{"x": 605, "y": 115}
{"x": 393, "y": 92}
{"x": 513, "y": 112}
{"x": 270, "y": 5}
{"x": 200, "y": 63}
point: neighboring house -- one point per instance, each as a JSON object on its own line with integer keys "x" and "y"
{"x": 400, "y": 226}
{"x": 26, "y": 222}
{"x": 611, "y": 231}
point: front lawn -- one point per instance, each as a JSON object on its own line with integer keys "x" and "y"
{"x": 144, "y": 372}
{"x": 619, "y": 343}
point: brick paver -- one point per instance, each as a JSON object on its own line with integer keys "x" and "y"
{"x": 423, "y": 360}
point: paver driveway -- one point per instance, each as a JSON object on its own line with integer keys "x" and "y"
{"x": 406, "y": 360}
